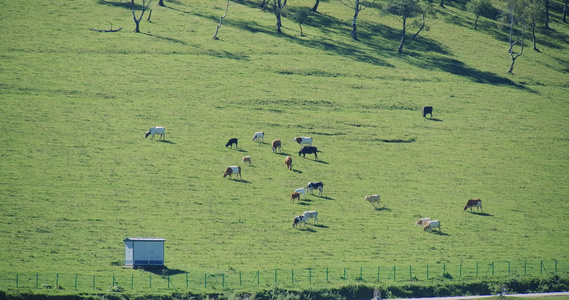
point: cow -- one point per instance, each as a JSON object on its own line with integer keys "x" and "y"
{"x": 315, "y": 185}
{"x": 303, "y": 140}
{"x": 429, "y": 225}
{"x": 308, "y": 150}
{"x": 299, "y": 220}
{"x": 301, "y": 191}
{"x": 373, "y": 199}
{"x": 422, "y": 221}
{"x": 427, "y": 110}
{"x": 231, "y": 142}
{"x": 276, "y": 144}
{"x": 311, "y": 215}
{"x": 156, "y": 130}
{"x": 259, "y": 136}
{"x": 288, "y": 162}
{"x": 232, "y": 170}
{"x": 473, "y": 203}
{"x": 294, "y": 196}
{"x": 246, "y": 159}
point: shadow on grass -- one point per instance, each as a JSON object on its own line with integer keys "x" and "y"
{"x": 480, "y": 214}
{"x": 320, "y": 226}
{"x": 167, "y": 142}
{"x": 282, "y": 153}
{"x": 307, "y": 229}
{"x": 382, "y": 209}
{"x": 297, "y": 171}
{"x": 159, "y": 270}
{"x": 240, "y": 180}
{"x": 434, "y": 119}
{"x": 438, "y": 232}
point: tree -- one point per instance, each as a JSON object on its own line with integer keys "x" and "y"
{"x": 535, "y": 16}
{"x": 278, "y": 6}
{"x": 404, "y": 9}
{"x": 315, "y": 6}
{"x": 442, "y": 4}
{"x": 221, "y": 21}
{"x": 515, "y": 19}
{"x": 301, "y": 17}
{"x": 357, "y": 6}
{"x": 546, "y": 14}
{"x": 161, "y": 3}
{"x": 145, "y": 6}
{"x": 565, "y": 3}
{"x": 479, "y": 8}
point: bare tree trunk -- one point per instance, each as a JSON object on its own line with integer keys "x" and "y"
{"x": 533, "y": 37}
{"x": 221, "y": 20}
{"x": 144, "y": 8}
{"x": 442, "y": 4}
{"x": 565, "y": 11}
{"x": 161, "y": 3}
{"x": 422, "y": 26}
{"x": 354, "y": 27}
{"x": 515, "y": 55}
{"x": 547, "y": 14}
{"x": 315, "y": 6}
{"x": 278, "y": 8}
{"x": 403, "y": 32}
{"x": 476, "y": 22}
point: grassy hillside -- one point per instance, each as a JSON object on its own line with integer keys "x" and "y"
{"x": 77, "y": 175}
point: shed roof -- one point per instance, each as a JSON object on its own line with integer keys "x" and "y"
{"x": 144, "y": 239}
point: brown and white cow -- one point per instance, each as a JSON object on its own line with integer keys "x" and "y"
{"x": 422, "y": 221}
{"x": 232, "y": 170}
{"x": 432, "y": 224}
{"x": 288, "y": 162}
{"x": 276, "y": 145}
{"x": 246, "y": 159}
{"x": 303, "y": 140}
{"x": 473, "y": 203}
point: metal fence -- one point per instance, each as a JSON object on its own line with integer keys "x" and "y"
{"x": 137, "y": 280}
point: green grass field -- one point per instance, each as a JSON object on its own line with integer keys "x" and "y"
{"x": 77, "y": 175}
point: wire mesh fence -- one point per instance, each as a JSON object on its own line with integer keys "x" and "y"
{"x": 307, "y": 277}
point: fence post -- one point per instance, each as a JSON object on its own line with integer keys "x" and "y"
{"x": 344, "y": 274}
{"x": 492, "y": 269}
{"x": 57, "y": 281}
{"x": 460, "y": 272}
{"x": 361, "y": 273}
{"x": 327, "y": 275}
{"x": 75, "y": 281}
{"x": 186, "y": 280}
{"x": 555, "y": 265}
{"x": 205, "y": 281}
{"x": 113, "y": 280}
{"x": 541, "y": 267}
{"x": 410, "y": 273}
{"x": 275, "y": 276}
{"x": 150, "y": 281}
{"x": 258, "y": 277}
{"x": 132, "y": 281}
{"x": 525, "y": 267}
{"x": 16, "y": 281}
{"x": 427, "y": 271}
{"x": 394, "y": 270}
{"x": 222, "y": 280}
{"x": 94, "y": 282}
{"x": 476, "y": 269}
{"x": 378, "y": 268}
{"x": 292, "y": 276}
{"x": 444, "y": 268}
{"x": 168, "y": 277}
{"x": 310, "y": 275}
{"x": 509, "y": 268}
{"x": 240, "y": 282}
{"x": 37, "y": 279}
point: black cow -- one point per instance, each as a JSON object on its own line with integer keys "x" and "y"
{"x": 231, "y": 142}
{"x": 308, "y": 150}
{"x": 315, "y": 185}
{"x": 427, "y": 110}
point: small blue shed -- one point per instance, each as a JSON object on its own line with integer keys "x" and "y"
{"x": 143, "y": 251}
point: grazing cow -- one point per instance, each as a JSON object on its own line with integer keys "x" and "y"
{"x": 429, "y": 225}
{"x": 422, "y": 221}
{"x": 427, "y": 110}
{"x": 259, "y": 136}
{"x": 373, "y": 199}
{"x": 233, "y": 170}
{"x": 276, "y": 144}
{"x": 301, "y": 191}
{"x": 315, "y": 185}
{"x": 288, "y": 162}
{"x": 246, "y": 159}
{"x": 303, "y": 140}
{"x": 294, "y": 196}
{"x": 308, "y": 150}
{"x": 231, "y": 142}
{"x": 311, "y": 215}
{"x": 299, "y": 220}
{"x": 473, "y": 203}
{"x": 156, "y": 130}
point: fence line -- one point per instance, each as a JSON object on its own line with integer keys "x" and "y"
{"x": 196, "y": 280}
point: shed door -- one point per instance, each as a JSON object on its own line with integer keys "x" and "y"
{"x": 128, "y": 253}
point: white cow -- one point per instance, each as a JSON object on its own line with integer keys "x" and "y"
{"x": 303, "y": 140}
{"x": 156, "y": 130}
{"x": 373, "y": 199}
{"x": 301, "y": 191}
{"x": 259, "y": 136}
{"x": 429, "y": 225}
{"x": 311, "y": 215}
{"x": 422, "y": 221}
{"x": 299, "y": 220}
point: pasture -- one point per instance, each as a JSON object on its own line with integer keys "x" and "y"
{"x": 77, "y": 175}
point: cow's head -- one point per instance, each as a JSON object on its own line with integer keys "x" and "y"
{"x": 147, "y": 134}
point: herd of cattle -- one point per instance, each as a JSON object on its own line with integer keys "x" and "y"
{"x": 306, "y": 148}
